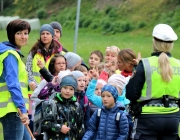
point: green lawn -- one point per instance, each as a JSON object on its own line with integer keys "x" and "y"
{"x": 88, "y": 41}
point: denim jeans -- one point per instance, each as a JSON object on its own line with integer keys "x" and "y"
{"x": 13, "y": 129}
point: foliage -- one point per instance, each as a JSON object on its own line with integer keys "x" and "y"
{"x": 41, "y": 13}
{"x": 123, "y": 16}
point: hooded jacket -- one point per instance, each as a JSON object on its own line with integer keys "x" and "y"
{"x": 106, "y": 128}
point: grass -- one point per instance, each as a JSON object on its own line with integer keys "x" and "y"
{"x": 89, "y": 41}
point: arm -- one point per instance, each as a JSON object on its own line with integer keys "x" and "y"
{"x": 92, "y": 127}
{"x": 136, "y": 83}
{"x": 10, "y": 75}
{"x": 34, "y": 96}
{"x": 123, "y": 127}
{"x": 29, "y": 66}
{"x": 95, "y": 99}
{"x": 46, "y": 74}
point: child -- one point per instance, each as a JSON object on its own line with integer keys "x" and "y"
{"x": 105, "y": 125}
{"x": 81, "y": 97}
{"x": 84, "y": 70}
{"x": 68, "y": 123}
{"x": 95, "y": 58}
{"x": 111, "y": 54}
{"x": 120, "y": 81}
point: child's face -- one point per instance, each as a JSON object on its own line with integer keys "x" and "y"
{"x": 94, "y": 60}
{"x": 107, "y": 99}
{"x": 98, "y": 89}
{"x": 81, "y": 83}
{"x": 60, "y": 64}
{"x": 110, "y": 56}
{"x": 67, "y": 92}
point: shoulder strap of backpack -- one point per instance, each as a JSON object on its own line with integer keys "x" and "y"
{"x": 86, "y": 102}
{"x": 98, "y": 117}
{"x": 118, "y": 117}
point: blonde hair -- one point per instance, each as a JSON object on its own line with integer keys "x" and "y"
{"x": 113, "y": 49}
{"x": 166, "y": 71}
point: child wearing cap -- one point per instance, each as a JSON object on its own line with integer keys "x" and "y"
{"x": 80, "y": 95}
{"x": 106, "y": 126}
{"x": 69, "y": 120}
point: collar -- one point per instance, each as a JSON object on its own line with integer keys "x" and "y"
{"x": 158, "y": 53}
{"x": 13, "y": 47}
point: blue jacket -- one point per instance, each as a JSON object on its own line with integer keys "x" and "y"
{"x": 80, "y": 98}
{"x": 107, "y": 128}
{"x": 10, "y": 75}
{"x": 97, "y": 100}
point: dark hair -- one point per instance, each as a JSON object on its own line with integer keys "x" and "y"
{"x": 99, "y": 54}
{"x": 14, "y": 26}
{"x": 39, "y": 47}
{"x": 52, "y": 63}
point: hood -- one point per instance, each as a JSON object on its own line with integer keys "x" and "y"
{"x": 4, "y": 46}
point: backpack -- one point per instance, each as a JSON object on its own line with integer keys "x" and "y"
{"x": 47, "y": 91}
{"x": 118, "y": 116}
{"x": 46, "y": 109}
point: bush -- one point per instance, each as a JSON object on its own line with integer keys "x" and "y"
{"x": 141, "y": 24}
{"x": 94, "y": 24}
{"x": 108, "y": 9}
{"x": 41, "y": 13}
{"x": 112, "y": 13}
{"x": 126, "y": 26}
{"x": 86, "y": 22}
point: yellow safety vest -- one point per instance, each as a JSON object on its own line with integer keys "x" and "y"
{"x": 35, "y": 68}
{"x": 6, "y": 103}
{"x": 155, "y": 88}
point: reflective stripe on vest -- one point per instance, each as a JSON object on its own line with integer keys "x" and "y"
{"x": 5, "y": 88}
{"x": 6, "y": 103}
{"x": 148, "y": 79}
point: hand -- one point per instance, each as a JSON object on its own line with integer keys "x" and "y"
{"x": 54, "y": 80}
{"x": 136, "y": 61}
{"x": 94, "y": 73}
{"x": 32, "y": 86}
{"x": 65, "y": 129}
{"x": 40, "y": 64}
{"x": 24, "y": 119}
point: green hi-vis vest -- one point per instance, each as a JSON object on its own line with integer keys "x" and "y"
{"x": 155, "y": 88}
{"x": 35, "y": 68}
{"x": 6, "y": 103}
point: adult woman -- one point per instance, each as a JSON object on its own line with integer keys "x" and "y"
{"x": 44, "y": 49}
{"x": 154, "y": 89}
{"x": 13, "y": 82}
